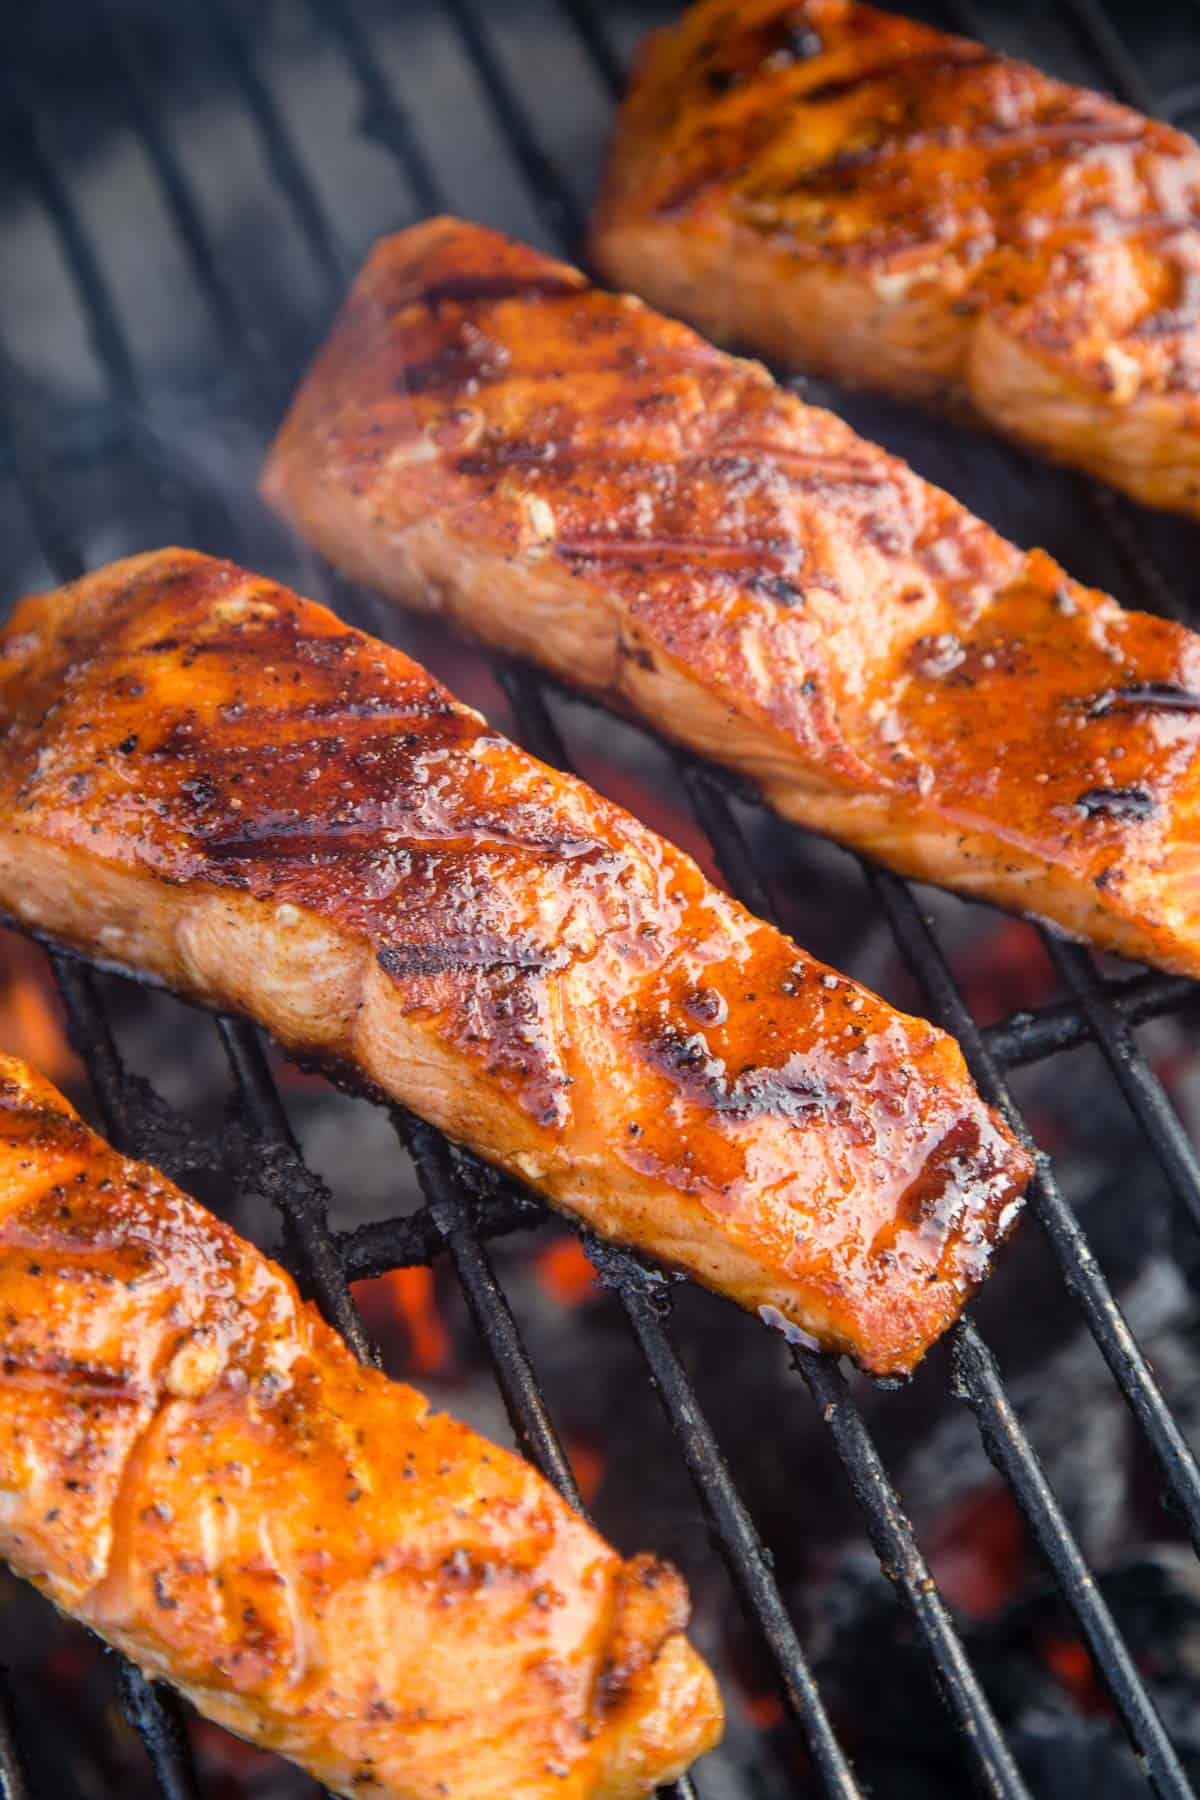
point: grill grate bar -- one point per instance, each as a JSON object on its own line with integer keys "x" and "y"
{"x": 1011, "y": 1042}
{"x": 739, "y": 1542}
{"x": 1081, "y": 1272}
{"x": 550, "y": 194}
{"x": 380, "y": 119}
{"x": 595, "y": 41}
{"x": 746, "y": 1557}
{"x": 1084, "y": 1280}
{"x": 152, "y": 1709}
{"x": 1140, "y": 1085}
{"x": 107, "y": 333}
{"x": 1100, "y": 36}
{"x": 179, "y": 194}
{"x": 1006, "y": 1443}
{"x": 302, "y": 1200}
{"x": 1028, "y": 1037}
{"x": 13, "y": 1785}
{"x": 489, "y": 1306}
{"x": 278, "y": 149}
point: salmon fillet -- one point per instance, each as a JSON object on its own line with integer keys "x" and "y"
{"x": 211, "y": 781}
{"x": 192, "y": 1463}
{"x": 578, "y": 479}
{"x": 860, "y": 195}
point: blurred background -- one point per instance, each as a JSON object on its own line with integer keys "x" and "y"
{"x": 184, "y": 194}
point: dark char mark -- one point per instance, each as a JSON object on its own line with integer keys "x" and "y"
{"x": 794, "y": 1095}
{"x": 469, "y": 356}
{"x": 446, "y": 954}
{"x": 927, "y": 61}
{"x": 1117, "y": 803}
{"x": 1146, "y": 696}
{"x": 462, "y": 290}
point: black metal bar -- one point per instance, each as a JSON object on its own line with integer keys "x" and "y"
{"x": 494, "y": 1321}
{"x": 900, "y": 1557}
{"x": 488, "y": 1303}
{"x": 977, "y": 1380}
{"x": 590, "y": 30}
{"x": 381, "y": 118}
{"x": 290, "y": 175}
{"x": 1141, "y": 1087}
{"x": 300, "y": 1197}
{"x": 1100, "y": 37}
{"x": 13, "y": 1782}
{"x": 156, "y": 1714}
{"x": 154, "y": 1711}
{"x": 177, "y": 190}
{"x": 744, "y": 1553}
{"x": 549, "y": 192}
{"x": 1028, "y": 1037}
{"x": 1081, "y": 1272}
{"x": 108, "y": 334}
{"x": 994, "y": 1768}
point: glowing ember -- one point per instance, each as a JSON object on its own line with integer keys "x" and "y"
{"x": 764, "y": 1711}
{"x": 587, "y": 1464}
{"x": 1073, "y": 1666}
{"x": 978, "y": 1557}
{"x": 566, "y": 1272}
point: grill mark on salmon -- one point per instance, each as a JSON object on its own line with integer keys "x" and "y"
{"x": 759, "y": 584}
{"x": 195, "y": 1467}
{"x": 907, "y": 211}
{"x": 1146, "y": 696}
{"x": 488, "y": 942}
{"x": 465, "y": 290}
{"x": 927, "y": 62}
{"x": 1118, "y": 803}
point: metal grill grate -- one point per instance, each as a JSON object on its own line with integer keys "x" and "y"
{"x": 455, "y": 1221}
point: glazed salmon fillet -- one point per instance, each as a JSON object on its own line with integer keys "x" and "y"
{"x": 864, "y": 197}
{"x": 577, "y": 479}
{"x": 215, "y": 783}
{"x": 193, "y": 1464}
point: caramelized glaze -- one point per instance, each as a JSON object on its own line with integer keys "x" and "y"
{"x": 869, "y": 198}
{"x": 662, "y": 524}
{"x": 193, "y": 1465}
{"x": 208, "y": 779}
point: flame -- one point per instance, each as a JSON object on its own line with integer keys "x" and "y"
{"x": 566, "y": 1272}
{"x": 30, "y": 1026}
{"x": 587, "y": 1465}
{"x": 409, "y": 1296}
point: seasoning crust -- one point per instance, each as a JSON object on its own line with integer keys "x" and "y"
{"x": 192, "y": 1464}
{"x": 862, "y": 196}
{"x": 211, "y": 781}
{"x": 578, "y": 479}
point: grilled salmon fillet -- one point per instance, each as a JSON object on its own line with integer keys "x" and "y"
{"x": 216, "y": 783}
{"x": 192, "y": 1463}
{"x": 578, "y": 479}
{"x": 865, "y": 197}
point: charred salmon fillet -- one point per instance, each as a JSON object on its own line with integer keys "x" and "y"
{"x": 583, "y": 481}
{"x": 193, "y": 1464}
{"x": 214, "y": 782}
{"x": 867, "y": 198}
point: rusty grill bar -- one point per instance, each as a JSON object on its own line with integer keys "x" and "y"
{"x": 458, "y": 1221}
